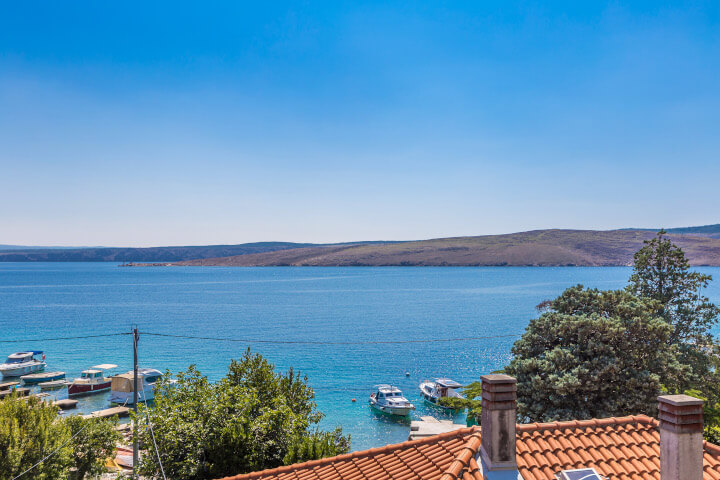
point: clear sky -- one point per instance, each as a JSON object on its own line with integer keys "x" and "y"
{"x": 166, "y": 123}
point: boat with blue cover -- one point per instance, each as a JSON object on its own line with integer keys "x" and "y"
{"x": 35, "y": 378}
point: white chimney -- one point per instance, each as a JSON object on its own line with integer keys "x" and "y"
{"x": 681, "y": 437}
{"x": 497, "y": 422}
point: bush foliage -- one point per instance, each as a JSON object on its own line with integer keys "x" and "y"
{"x": 30, "y": 430}
{"x": 253, "y": 419}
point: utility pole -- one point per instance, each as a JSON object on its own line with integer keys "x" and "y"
{"x": 135, "y": 402}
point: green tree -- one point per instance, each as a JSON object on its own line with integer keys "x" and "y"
{"x": 254, "y": 418}
{"x": 662, "y": 272}
{"x": 471, "y": 401}
{"x": 318, "y": 444}
{"x": 593, "y": 354}
{"x": 30, "y": 430}
{"x": 94, "y": 441}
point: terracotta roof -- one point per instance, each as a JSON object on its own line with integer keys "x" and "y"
{"x": 446, "y": 456}
{"x": 626, "y": 448}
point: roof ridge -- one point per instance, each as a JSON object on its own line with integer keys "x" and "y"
{"x": 592, "y": 422}
{"x": 463, "y": 457}
{"x": 351, "y": 455}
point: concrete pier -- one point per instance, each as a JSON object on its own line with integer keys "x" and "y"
{"x": 120, "y": 412}
{"x": 428, "y": 426}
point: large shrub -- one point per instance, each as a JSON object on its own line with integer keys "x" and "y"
{"x": 254, "y": 418}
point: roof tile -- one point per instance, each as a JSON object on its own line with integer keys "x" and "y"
{"x": 626, "y": 448}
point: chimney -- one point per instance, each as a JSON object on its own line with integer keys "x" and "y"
{"x": 497, "y": 421}
{"x": 681, "y": 437}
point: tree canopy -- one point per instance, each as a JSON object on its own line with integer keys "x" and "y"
{"x": 94, "y": 441}
{"x": 254, "y": 418}
{"x": 662, "y": 272}
{"x": 29, "y": 430}
{"x": 595, "y": 353}
{"x": 592, "y": 354}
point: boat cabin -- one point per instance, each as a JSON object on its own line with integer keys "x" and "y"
{"x": 94, "y": 374}
{"x": 22, "y": 357}
{"x": 125, "y": 381}
{"x": 443, "y": 385}
{"x": 386, "y": 391}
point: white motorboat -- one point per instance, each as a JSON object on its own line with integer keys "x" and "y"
{"x": 390, "y": 400}
{"x": 121, "y": 390}
{"x": 22, "y": 363}
{"x": 432, "y": 392}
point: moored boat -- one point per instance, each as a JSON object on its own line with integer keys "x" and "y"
{"x": 122, "y": 389}
{"x": 390, "y": 400}
{"x": 8, "y": 385}
{"x": 34, "y": 378}
{"x": 91, "y": 381}
{"x": 23, "y": 392}
{"x": 432, "y": 392}
{"x": 22, "y": 363}
{"x": 53, "y": 385}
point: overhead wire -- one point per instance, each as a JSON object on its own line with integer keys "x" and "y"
{"x": 321, "y": 342}
{"x": 152, "y": 433}
{"x": 53, "y": 452}
{"x": 52, "y": 339}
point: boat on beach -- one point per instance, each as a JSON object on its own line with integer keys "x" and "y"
{"x": 36, "y": 378}
{"x": 22, "y": 363}
{"x": 390, "y": 400}
{"x": 91, "y": 381}
{"x": 122, "y": 389}
{"x": 432, "y": 392}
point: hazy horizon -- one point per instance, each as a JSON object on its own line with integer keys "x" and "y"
{"x": 175, "y": 123}
{"x": 12, "y": 246}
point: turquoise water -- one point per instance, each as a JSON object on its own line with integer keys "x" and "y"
{"x": 40, "y": 300}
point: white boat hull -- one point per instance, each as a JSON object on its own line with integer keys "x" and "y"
{"x": 53, "y": 385}
{"x": 399, "y": 411}
{"x": 126, "y": 398}
{"x": 9, "y": 370}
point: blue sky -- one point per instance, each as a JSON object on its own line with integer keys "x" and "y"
{"x": 156, "y": 123}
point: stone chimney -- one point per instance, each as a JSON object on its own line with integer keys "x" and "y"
{"x": 681, "y": 437}
{"x": 497, "y": 421}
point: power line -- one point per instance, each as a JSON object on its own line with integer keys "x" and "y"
{"x": 311, "y": 342}
{"x": 29, "y": 340}
{"x": 152, "y": 433}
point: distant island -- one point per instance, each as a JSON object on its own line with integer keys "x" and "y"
{"x": 536, "y": 248}
{"x": 552, "y": 247}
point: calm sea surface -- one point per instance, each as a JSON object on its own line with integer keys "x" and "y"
{"x": 41, "y": 300}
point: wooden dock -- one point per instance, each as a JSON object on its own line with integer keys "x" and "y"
{"x": 119, "y": 412}
{"x": 8, "y": 385}
{"x": 23, "y": 392}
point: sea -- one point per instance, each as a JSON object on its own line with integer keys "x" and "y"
{"x": 334, "y": 325}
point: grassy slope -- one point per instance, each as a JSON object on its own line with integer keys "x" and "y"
{"x": 540, "y": 247}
